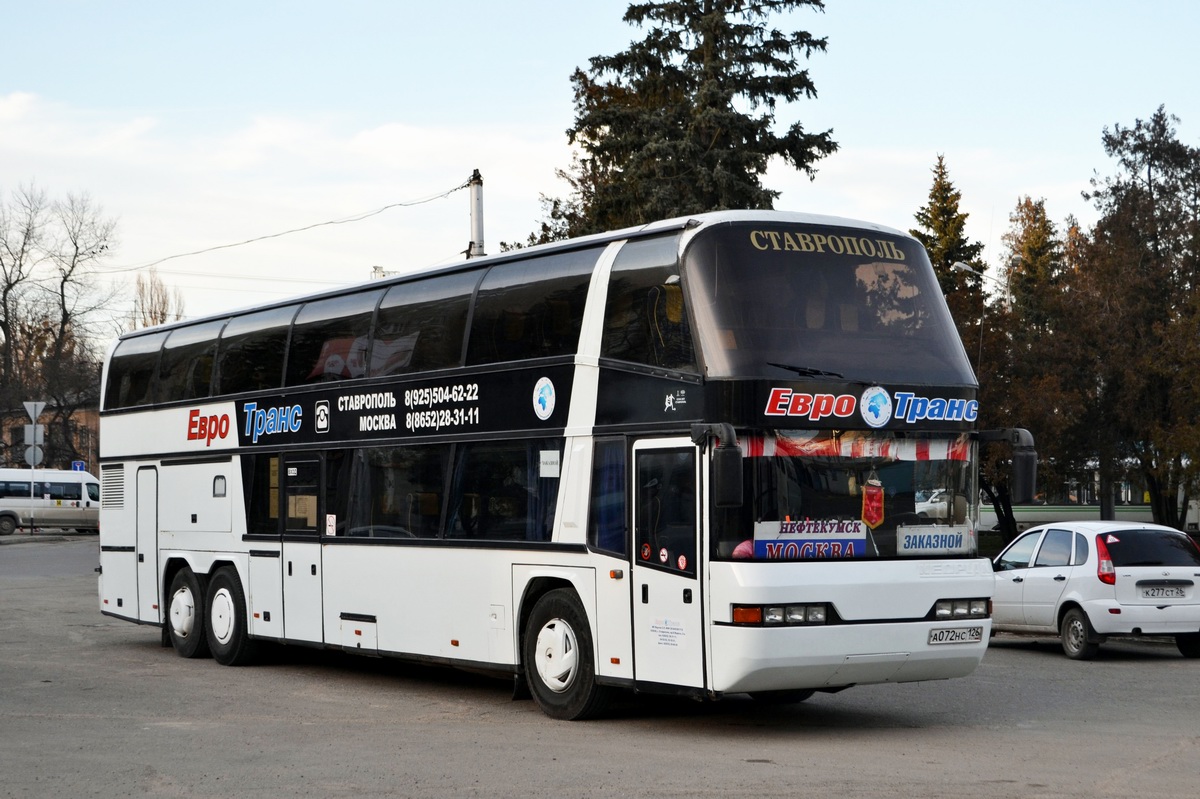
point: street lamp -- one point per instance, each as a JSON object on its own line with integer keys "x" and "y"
{"x": 959, "y": 266}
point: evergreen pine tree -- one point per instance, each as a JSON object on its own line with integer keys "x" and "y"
{"x": 943, "y": 233}
{"x": 683, "y": 121}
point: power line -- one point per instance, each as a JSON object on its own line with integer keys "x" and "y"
{"x": 344, "y": 220}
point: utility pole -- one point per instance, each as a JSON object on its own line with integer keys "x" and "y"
{"x": 475, "y": 250}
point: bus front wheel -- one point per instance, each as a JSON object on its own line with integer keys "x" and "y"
{"x": 228, "y": 638}
{"x": 185, "y": 615}
{"x": 559, "y": 660}
{"x": 7, "y": 525}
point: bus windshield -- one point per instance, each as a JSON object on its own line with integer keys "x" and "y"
{"x": 820, "y": 301}
{"x": 821, "y": 495}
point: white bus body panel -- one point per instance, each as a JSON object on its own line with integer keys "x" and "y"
{"x": 146, "y": 499}
{"x": 439, "y": 602}
{"x": 779, "y": 658}
{"x": 118, "y": 542}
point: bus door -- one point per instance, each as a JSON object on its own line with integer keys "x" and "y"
{"x": 302, "y": 607}
{"x": 668, "y": 637}
{"x": 147, "y": 545}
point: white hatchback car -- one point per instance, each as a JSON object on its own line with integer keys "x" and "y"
{"x": 1089, "y": 580}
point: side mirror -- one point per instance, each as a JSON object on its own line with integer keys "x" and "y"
{"x": 727, "y": 463}
{"x": 1024, "y": 475}
{"x": 1022, "y": 485}
{"x": 727, "y": 477}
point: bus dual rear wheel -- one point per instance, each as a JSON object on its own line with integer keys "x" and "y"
{"x": 185, "y": 615}
{"x": 559, "y": 659}
{"x": 228, "y": 638}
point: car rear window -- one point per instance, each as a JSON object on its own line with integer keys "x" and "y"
{"x": 1151, "y": 548}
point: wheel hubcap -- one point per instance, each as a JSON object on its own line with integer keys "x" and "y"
{"x": 183, "y": 612}
{"x": 556, "y": 655}
{"x": 220, "y": 616}
{"x": 1075, "y": 635}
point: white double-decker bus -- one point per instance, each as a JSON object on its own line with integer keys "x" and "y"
{"x": 684, "y": 458}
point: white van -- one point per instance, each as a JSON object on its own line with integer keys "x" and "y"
{"x": 58, "y": 499}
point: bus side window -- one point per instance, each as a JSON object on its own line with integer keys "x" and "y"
{"x": 607, "y": 527}
{"x": 330, "y": 338}
{"x": 188, "y": 356}
{"x": 132, "y": 370}
{"x": 500, "y": 492}
{"x": 531, "y": 309}
{"x": 393, "y": 492}
{"x": 665, "y": 519}
{"x": 251, "y": 351}
{"x": 303, "y": 475}
{"x": 422, "y": 325}
{"x": 260, "y": 483}
{"x": 645, "y": 318}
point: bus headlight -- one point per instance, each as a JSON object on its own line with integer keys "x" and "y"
{"x": 960, "y": 609}
{"x": 780, "y": 615}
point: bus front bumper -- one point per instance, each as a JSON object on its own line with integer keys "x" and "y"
{"x": 816, "y": 657}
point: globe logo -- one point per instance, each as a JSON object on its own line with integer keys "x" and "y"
{"x": 876, "y": 406}
{"x": 543, "y": 399}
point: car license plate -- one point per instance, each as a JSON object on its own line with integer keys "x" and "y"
{"x": 956, "y": 635}
{"x": 1161, "y": 591}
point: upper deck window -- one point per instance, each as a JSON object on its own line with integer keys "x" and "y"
{"x": 645, "y": 320}
{"x": 330, "y": 339}
{"x": 188, "y": 358}
{"x": 531, "y": 309}
{"x": 131, "y": 371}
{"x": 252, "y": 350}
{"x": 839, "y": 302}
{"x": 422, "y": 324}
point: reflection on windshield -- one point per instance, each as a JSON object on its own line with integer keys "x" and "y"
{"x": 853, "y": 494}
{"x": 869, "y": 307}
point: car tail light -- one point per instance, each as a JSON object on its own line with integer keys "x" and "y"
{"x": 1104, "y": 567}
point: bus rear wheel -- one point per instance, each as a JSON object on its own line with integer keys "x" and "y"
{"x": 185, "y": 615}
{"x": 228, "y": 639}
{"x": 559, "y": 660}
{"x": 7, "y": 525}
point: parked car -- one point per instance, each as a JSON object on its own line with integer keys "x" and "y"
{"x": 1086, "y": 581}
{"x": 55, "y": 499}
{"x": 934, "y": 504}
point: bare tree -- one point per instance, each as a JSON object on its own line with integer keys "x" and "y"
{"x": 154, "y": 303}
{"x": 49, "y": 301}
{"x": 22, "y": 237}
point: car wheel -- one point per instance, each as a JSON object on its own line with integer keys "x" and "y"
{"x": 558, "y": 659}
{"x": 1077, "y": 636}
{"x": 1189, "y": 644}
{"x": 185, "y": 615}
{"x": 228, "y": 638}
{"x": 7, "y": 525}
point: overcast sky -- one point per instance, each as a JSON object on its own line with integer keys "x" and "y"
{"x": 197, "y": 125}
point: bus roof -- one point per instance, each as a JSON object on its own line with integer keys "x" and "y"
{"x": 693, "y": 223}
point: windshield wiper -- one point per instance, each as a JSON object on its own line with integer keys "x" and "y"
{"x": 805, "y": 371}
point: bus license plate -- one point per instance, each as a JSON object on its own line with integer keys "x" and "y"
{"x": 1155, "y": 593}
{"x": 956, "y": 635}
